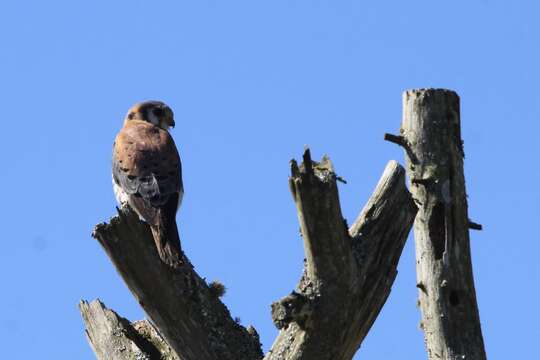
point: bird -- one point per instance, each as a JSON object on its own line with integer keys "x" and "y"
{"x": 147, "y": 174}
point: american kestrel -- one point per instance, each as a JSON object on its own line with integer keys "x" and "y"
{"x": 147, "y": 174}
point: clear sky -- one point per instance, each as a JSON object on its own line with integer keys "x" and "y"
{"x": 252, "y": 82}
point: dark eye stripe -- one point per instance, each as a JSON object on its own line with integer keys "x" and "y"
{"x": 158, "y": 112}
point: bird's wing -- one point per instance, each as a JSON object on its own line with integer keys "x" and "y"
{"x": 146, "y": 166}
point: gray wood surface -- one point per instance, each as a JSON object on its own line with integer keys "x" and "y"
{"x": 115, "y": 338}
{"x": 347, "y": 279}
{"x": 431, "y": 136}
{"x": 348, "y": 274}
{"x": 194, "y": 322}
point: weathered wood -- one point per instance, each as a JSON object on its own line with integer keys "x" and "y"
{"x": 191, "y": 318}
{"x": 431, "y": 133}
{"x": 348, "y": 274}
{"x": 115, "y": 338}
{"x": 347, "y": 279}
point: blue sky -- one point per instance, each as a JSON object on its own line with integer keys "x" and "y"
{"x": 252, "y": 82}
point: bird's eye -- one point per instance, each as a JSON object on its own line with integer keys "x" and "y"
{"x": 158, "y": 112}
{"x": 131, "y": 115}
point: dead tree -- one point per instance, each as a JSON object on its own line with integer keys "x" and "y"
{"x": 431, "y": 137}
{"x": 348, "y": 274}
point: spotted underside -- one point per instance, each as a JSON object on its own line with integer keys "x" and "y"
{"x": 146, "y": 169}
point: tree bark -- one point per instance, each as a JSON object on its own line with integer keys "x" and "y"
{"x": 182, "y": 306}
{"x": 115, "y": 338}
{"x": 348, "y": 274}
{"x": 347, "y": 278}
{"x": 431, "y": 136}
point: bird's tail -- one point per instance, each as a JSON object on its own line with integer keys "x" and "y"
{"x": 167, "y": 240}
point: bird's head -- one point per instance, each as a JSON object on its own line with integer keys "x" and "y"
{"x": 154, "y": 112}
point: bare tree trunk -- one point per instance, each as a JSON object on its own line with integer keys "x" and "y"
{"x": 180, "y": 304}
{"x": 431, "y": 136}
{"x": 347, "y": 279}
{"x": 348, "y": 273}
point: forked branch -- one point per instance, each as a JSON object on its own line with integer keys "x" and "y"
{"x": 348, "y": 273}
{"x": 347, "y": 278}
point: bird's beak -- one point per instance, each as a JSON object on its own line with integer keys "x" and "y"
{"x": 172, "y": 123}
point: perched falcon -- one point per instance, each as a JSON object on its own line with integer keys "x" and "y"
{"x": 147, "y": 174}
